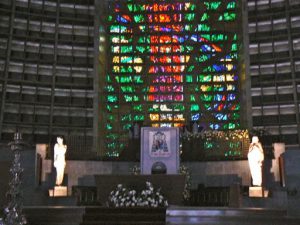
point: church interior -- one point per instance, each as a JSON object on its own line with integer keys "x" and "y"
{"x": 147, "y": 112}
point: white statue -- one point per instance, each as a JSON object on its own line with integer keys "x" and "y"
{"x": 255, "y": 159}
{"x": 59, "y": 160}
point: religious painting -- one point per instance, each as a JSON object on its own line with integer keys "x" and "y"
{"x": 159, "y": 144}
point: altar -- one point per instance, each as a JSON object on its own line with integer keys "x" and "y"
{"x": 172, "y": 185}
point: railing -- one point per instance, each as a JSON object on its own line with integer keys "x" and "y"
{"x": 210, "y": 196}
{"x": 86, "y": 195}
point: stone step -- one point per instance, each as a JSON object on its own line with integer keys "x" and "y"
{"x": 62, "y": 201}
{"x": 125, "y": 223}
{"x": 232, "y": 216}
{"x": 224, "y": 212}
{"x": 111, "y": 210}
{"x": 124, "y": 216}
{"x": 277, "y": 199}
{"x": 54, "y": 215}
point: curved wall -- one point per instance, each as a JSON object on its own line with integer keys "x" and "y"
{"x": 46, "y": 69}
{"x": 274, "y": 35}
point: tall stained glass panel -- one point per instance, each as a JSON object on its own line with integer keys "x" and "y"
{"x": 170, "y": 64}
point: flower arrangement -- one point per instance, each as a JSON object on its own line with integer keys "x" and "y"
{"x": 187, "y": 186}
{"x": 135, "y": 170}
{"x": 214, "y": 144}
{"x": 151, "y": 198}
{"x": 123, "y": 197}
{"x": 215, "y": 134}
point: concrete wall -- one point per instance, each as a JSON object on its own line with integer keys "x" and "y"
{"x": 82, "y": 172}
{"x": 292, "y": 175}
{"x": 220, "y": 173}
{"x": 207, "y": 173}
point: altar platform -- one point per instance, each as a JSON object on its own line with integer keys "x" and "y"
{"x": 172, "y": 215}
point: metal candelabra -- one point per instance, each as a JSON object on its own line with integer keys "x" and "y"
{"x": 13, "y": 212}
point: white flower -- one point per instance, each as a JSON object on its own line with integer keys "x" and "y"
{"x": 149, "y": 197}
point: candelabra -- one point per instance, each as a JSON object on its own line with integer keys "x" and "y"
{"x": 13, "y": 212}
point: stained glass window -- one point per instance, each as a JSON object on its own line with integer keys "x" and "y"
{"x": 170, "y": 63}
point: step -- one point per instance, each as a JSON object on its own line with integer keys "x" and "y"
{"x": 124, "y": 216}
{"x": 53, "y": 215}
{"x": 232, "y": 216}
{"x": 124, "y": 223}
{"x": 224, "y": 212}
{"x": 112, "y": 210}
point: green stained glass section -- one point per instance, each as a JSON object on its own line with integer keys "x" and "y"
{"x": 212, "y": 5}
{"x": 112, "y": 98}
{"x": 227, "y": 16}
{"x": 108, "y": 126}
{"x": 126, "y": 49}
{"x": 189, "y": 16}
{"x": 138, "y": 108}
{"x": 127, "y": 89}
{"x": 206, "y": 97}
{"x": 234, "y": 47}
{"x": 110, "y": 88}
{"x": 188, "y": 49}
{"x": 189, "y": 78}
{"x": 127, "y": 126}
{"x": 204, "y": 17}
{"x": 141, "y": 49}
{"x": 231, "y": 5}
{"x": 139, "y": 118}
{"x": 204, "y": 78}
{"x": 204, "y": 27}
{"x": 192, "y": 98}
{"x": 139, "y": 18}
{"x": 202, "y": 58}
{"x": 195, "y": 107}
{"x": 179, "y": 107}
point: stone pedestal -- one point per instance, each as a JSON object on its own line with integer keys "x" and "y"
{"x": 58, "y": 191}
{"x": 171, "y": 185}
{"x": 258, "y": 192}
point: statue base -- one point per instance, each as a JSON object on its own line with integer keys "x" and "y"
{"x": 258, "y": 192}
{"x": 58, "y": 191}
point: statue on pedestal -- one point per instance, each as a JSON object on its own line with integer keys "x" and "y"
{"x": 255, "y": 159}
{"x": 59, "y": 160}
